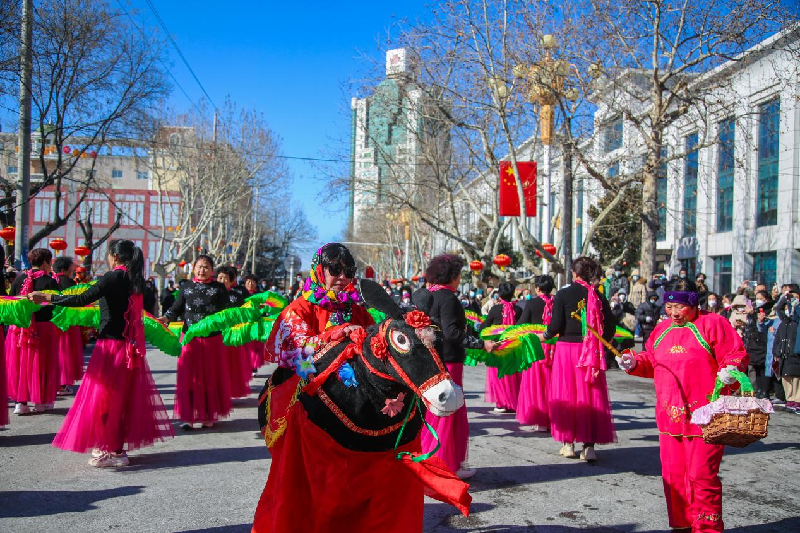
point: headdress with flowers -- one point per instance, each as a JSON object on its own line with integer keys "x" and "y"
{"x": 339, "y": 303}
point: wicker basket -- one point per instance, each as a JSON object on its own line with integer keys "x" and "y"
{"x": 736, "y": 429}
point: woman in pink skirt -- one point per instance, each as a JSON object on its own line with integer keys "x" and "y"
{"x": 70, "y": 344}
{"x": 32, "y": 353}
{"x": 439, "y": 301}
{"x": 580, "y": 410}
{"x": 534, "y": 394}
{"x": 117, "y": 407}
{"x": 203, "y": 391}
{"x": 503, "y": 392}
{"x": 256, "y": 349}
{"x": 237, "y": 356}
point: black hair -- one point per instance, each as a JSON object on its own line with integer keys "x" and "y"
{"x": 39, "y": 256}
{"x": 204, "y": 257}
{"x": 229, "y": 271}
{"x": 506, "y": 291}
{"x": 62, "y": 264}
{"x": 681, "y": 285}
{"x": 767, "y": 294}
{"x": 130, "y": 255}
{"x": 730, "y": 296}
{"x": 587, "y": 269}
{"x": 250, "y": 276}
{"x": 443, "y": 269}
{"x": 334, "y": 254}
{"x": 545, "y": 283}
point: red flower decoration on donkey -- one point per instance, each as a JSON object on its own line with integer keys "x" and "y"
{"x": 417, "y": 319}
{"x": 379, "y": 347}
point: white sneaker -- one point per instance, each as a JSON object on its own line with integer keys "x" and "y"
{"x": 110, "y": 460}
{"x": 64, "y": 391}
{"x": 588, "y": 455}
{"x": 500, "y": 410}
{"x": 465, "y": 472}
{"x": 22, "y": 409}
{"x": 197, "y": 425}
{"x": 568, "y": 451}
{"x": 533, "y": 429}
{"x": 97, "y": 452}
{"x": 186, "y": 425}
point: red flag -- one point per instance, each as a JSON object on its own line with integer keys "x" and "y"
{"x": 509, "y": 200}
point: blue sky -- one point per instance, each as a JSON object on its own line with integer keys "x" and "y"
{"x": 289, "y": 60}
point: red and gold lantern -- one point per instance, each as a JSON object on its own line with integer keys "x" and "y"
{"x": 415, "y": 278}
{"x": 182, "y": 264}
{"x": 59, "y": 245}
{"x": 82, "y": 251}
{"x": 549, "y": 248}
{"x": 476, "y": 266}
{"x": 502, "y": 260}
{"x": 8, "y": 233}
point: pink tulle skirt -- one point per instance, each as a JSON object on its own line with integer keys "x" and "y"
{"x": 257, "y": 352}
{"x": 239, "y": 370}
{"x": 534, "y": 393}
{"x": 117, "y": 406}
{"x": 502, "y": 392}
{"x": 203, "y": 392}
{"x": 32, "y": 363}
{"x": 70, "y": 355}
{"x": 579, "y": 411}
{"x": 453, "y": 430}
{"x": 3, "y": 387}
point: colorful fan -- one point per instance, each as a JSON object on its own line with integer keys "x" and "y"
{"x": 176, "y": 328}
{"x": 622, "y": 333}
{"x": 160, "y": 336}
{"x": 517, "y": 352}
{"x": 241, "y": 334}
{"x": 16, "y": 311}
{"x": 273, "y": 301}
{"x": 67, "y": 317}
{"x": 77, "y": 289}
{"x": 474, "y": 319}
{"x": 220, "y": 321}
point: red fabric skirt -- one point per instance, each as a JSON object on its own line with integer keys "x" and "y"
{"x": 117, "y": 405}
{"x": 239, "y": 370}
{"x": 3, "y": 387}
{"x": 257, "y": 353}
{"x": 32, "y": 363}
{"x": 203, "y": 391}
{"x": 534, "y": 392}
{"x": 453, "y": 430}
{"x": 502, "y": 392}
{"x": 70, "y": 355}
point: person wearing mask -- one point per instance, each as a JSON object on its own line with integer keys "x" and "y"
{"x": 534, "y": 390}
{"x": 117, "y": 408}
{"x": 70, "y": 344}
{"x": 32, "y": 352}
{"x": 294, "y": 290}
{"x": 494, "y": 299}
{"x": 647, "y": 315}
{"x": 785, "y": 350}
{"x": 755, "y": 341}
{"x": 256, "y": 349}
{"x": 727, "y": 301}
{"x": 741, "y": 306}
{"x": 770, "y": 326}
{"x": 503, "y": 392}
{"x": 167, "y": 296}
{"x": 405, "y": 299}
{"x": 474, "y": 305}
{"x": 684, "y": 357}
{"x": 657, "y": 285}
{"x": 237, "y": 357}
{"x": 580, "y": 409}
{"x": 625, "y": 315}
{"x": 712, "y": 303}
{"x": 618, "y": 281}
{"x": 638, "y": 292}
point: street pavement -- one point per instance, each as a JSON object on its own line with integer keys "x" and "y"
{"x": 209, "y": 480}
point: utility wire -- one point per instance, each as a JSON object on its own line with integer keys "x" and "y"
{"x": 178, "y": 49}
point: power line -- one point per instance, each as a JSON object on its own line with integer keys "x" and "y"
{"x": 178, "y": 49}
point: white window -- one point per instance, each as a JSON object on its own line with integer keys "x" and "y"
{"x": 169, "y": 217}
{"x": 44, "y": 207}
{"x": 98, "y": 204}
{"x": 116, "y": 173}
{"x": 131, "y": 206}
{"x": 142, "y": 175}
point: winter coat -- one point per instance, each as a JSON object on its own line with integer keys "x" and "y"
{"x": 645, "y": 310}
{"x": 755, "y": 341}
{"x": 620, "y": 310}
{"x": 638, "y": 292}
{"x": 617, "y": 284}
{"x": 783, "y": 348}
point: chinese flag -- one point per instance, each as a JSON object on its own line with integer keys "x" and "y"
{"x": 509, "y": 200}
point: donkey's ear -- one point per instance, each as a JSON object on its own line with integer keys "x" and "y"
{"x": 375, "y": 296}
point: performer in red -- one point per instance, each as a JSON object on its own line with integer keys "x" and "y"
{"x": 237, "y": 357}
{"x": 70, "y": 343}
{"x": 254, "y": 349}
{"x": 203, "y": 389}
{"x": 117, "y": 407}
{"x": 684, "y": 355}
{"x": 503, "y": 392}
{"x": 534, "y": 391}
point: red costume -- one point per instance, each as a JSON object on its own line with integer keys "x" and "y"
{"x": 683, "y": 362}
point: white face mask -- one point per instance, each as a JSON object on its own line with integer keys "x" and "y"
{"x": 635, "y": 277}
{"x": 622, "y": 297}
{"x": 712, "y": 303}
{"x": 760, "y": 303}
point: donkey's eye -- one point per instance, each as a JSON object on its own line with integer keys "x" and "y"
{"x": 400, "y": 341}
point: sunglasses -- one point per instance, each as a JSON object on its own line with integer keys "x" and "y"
{"x": 338, "y": 268}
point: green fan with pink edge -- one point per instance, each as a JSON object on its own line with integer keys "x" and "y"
{"x": 253, "y": 320}
{"x": 160, "y": 336}
{"x": 474, "y": 320}
{"x": 18, "y": 310}
{"x": 518, "y": 348}
{"x": 246, "y": 332}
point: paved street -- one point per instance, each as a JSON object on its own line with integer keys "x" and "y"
{"x": 209, "y": 480}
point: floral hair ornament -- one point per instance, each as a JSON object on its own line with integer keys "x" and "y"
{"x": 417, "y": 319}
{"x": 379, "y": 347}
{"x": 682, "y": 297}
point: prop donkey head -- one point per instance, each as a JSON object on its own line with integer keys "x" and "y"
{"x": 364, "y": 407}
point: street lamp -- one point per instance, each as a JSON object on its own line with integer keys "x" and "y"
{"x": 547, "y": 84}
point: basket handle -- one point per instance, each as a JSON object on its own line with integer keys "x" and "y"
{"x": 744, "y": 382}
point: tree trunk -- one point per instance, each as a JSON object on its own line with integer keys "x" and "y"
{"x": 649, "y": 220}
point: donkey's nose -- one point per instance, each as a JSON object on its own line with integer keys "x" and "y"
{"x": 444, "y": 398}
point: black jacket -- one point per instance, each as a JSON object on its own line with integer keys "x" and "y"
{"x": 447, "y": 313}
{"x": 754, "y": 341}
{"x": 646, "y": 309}
{"x": 532, "y": 312}
{"x": 569, "y": 329}
{"x": 113, "y": 292}
{"x": 43, "y": 283}
{"x": 788, "y": 362}
{"x": 495, "y": 316}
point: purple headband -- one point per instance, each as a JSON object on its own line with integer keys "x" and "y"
{"x": 682, "y": 297}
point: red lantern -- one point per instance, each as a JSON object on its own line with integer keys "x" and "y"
{"x": 59, "y": 245}
{"x": 93, "y": 154}
{"x": 369, "y": 272}
{"x": 549, "y": 248}
{"x": 182, "y": 264}
{"x": 502, "y": 261}
{"x": 8, "y": 233}
{"x": 415, "y": 278}
{"x": 476, "y": 266}
{"x": 66, "y": 149}
{"x": 82, "y": 251}
{"x": 394, "y": 281}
